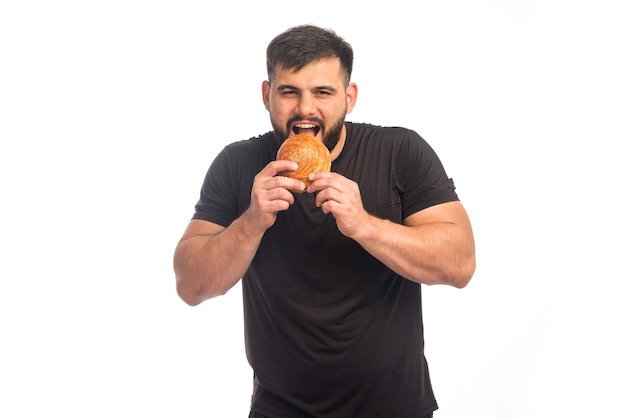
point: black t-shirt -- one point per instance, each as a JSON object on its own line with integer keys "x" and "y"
{"x": 330, "y": 331}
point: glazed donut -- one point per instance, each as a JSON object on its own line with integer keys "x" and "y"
{"x": 309, "y": 152}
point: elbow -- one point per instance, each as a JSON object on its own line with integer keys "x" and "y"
{"x": 463, "y": 274}
{"x": 190, "y": 288}
{"x": 456, "y": 274}
{"x": 465, "y": 263}
{"x": 186, "y": 287}
{"x": 190, "y": 292}
{"x": 194, "y": 292}
{"x": 187, "y": 294}
{"x": 460, "y": 282}
{"x": 188, "y": 299}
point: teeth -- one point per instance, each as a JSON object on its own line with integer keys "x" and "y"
{"x": 305, "y": 126}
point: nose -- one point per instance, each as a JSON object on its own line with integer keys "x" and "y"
{"x": 306, "y": 105}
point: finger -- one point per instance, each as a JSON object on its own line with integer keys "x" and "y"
{"x": 323, "y": 180}
{"x": 274, "y": 167}
{"x": 271, "y": 201}
{"x": 328, "y": 194}
{"x": 283, "y": 182}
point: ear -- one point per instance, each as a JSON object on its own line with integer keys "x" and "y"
{"x": 265, "y": 89}
{"x": 351, "y": 94}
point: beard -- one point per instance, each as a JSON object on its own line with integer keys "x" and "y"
{"x": 330, "y": 137}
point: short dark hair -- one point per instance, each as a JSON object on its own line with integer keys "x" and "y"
{"x": 301, "y": 45}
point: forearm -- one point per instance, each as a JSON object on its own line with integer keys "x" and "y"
{"x": 210, "y": 259}
{"x": 431, "y": 253}
{"x": 208, "y": 265}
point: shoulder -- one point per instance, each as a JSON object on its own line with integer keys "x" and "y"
{"x": 252, "y": 153}
{"x": 262, "y": 143}
{"x": 389, "y": 133}
{"x": 244, "y": 158}
{"x": 388, "y": 138}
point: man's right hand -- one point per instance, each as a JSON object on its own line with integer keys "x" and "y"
{"x": 271, "y": 194}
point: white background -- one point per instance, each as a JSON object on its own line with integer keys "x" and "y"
{"x": 110, "y": 113}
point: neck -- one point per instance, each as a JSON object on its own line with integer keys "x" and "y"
{"x": 339, "y": 147}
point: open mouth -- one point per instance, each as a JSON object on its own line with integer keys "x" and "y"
{"x": 305, "y": 128}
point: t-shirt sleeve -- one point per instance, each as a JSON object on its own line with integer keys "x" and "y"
{"x": 422, "y": 178}
{"x": 218, "y": 203}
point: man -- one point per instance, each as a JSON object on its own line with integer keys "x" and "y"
{"x": 331, "y": 276}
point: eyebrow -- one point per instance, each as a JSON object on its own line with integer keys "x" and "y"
{"x": 318, "y": 88}
{"x": 286, "y": 87}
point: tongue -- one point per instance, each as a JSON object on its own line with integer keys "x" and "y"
{"x": 310, "y": 131}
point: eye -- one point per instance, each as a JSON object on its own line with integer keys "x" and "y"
{"x": 324, "y": 92}
{"x": 287, "y": 90}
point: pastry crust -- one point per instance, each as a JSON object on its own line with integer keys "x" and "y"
{"x": 309, "y": 152}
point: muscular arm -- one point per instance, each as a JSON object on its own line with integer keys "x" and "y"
{"x": 210, "y": 259}
{"x": 432, "y": 246}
